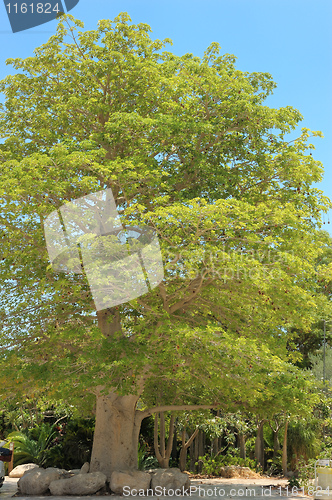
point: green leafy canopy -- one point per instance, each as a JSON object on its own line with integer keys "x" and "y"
{"x": 188, "y": 147}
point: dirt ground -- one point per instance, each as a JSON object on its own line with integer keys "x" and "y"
{"x": 259, "y": 480}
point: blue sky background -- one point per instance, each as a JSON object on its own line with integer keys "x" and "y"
{"x": 291, "y": 39}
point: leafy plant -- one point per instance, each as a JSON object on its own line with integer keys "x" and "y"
{"x": 33, "y": 446}
{"x": 275, "y": 464}
{"x": 303, "y": 440}
{"x": 73, "y": 447}
{"x": 211, "y": 465}
{"x": 306, "y": 472}
{"x": 293, "y": 482}
{"x": 145, "y": 461}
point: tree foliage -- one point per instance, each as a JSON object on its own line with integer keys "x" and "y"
{"x": 189, "y": 148}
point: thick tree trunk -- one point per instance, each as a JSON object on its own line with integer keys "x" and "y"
{"x": 115, "y": 442}
{"x": 242, "y": 445}
{"x": 284, "y": 450}
{"x": 259, "y": 444}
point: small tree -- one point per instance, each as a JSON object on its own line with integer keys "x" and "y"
{"x": 162, "y": 451}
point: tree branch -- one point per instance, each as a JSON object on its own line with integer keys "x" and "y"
{"x": 151, "y": 411}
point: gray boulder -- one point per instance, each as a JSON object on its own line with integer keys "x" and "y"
{"x": 171, "y": 479}
{"x": 85, "y": 468}
{"x": 79, "y": 484}
{"x": 132, "y": 479}
{"x": 37, "y": 481}
{"x": 22, "y": 469}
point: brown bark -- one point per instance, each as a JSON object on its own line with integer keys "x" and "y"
{"x": 215, "y": 446}
{"x": 174, "y": 453}
{"x": 185, "y": 445}
{"x": 200, "y": 449}
{"x": 284, "y": 450}
{"x": 242, "y": 445}
{"x": 163, "y": 453}
{"x": 192, "y": 456}
{"x": 109, "y": 321}
{"x": 196, "y": 452}
{"x": 118, "y": 422}
{"x": 259, "y": 444}
{"x": 115, "y": 441}
{"x": 276, "y": 443}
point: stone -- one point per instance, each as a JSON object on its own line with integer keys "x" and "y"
{"x": 79, "y": 484}
{"x": 37, "y": 481}
{"x": 71, "y": 472}
{"x": 133, "y": 479}
{"x": 171, "y": 479}
{"x": 85, "y": 468}
{"x": 19, "y": 470}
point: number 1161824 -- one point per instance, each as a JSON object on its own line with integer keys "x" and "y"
{"x": 312, "y": 491}
{"x": 32, "y": 8}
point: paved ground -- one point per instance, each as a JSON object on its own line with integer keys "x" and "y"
{"x": 230, "y": 489}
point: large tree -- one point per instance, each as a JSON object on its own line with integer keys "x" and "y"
{"x": 188, "y": 148}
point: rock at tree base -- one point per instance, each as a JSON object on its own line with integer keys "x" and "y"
{"x": 37, "y": 481}
{"x": 22, "y": 469}
{"x": 133, "y": 479}
{"x": 85, "y": 468}
{"x": 171, "y": 479}
{"x": 79, "y": 484}
{"x": 237, "y": 471}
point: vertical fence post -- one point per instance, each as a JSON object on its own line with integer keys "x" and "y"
{"x": 11, "y": 463}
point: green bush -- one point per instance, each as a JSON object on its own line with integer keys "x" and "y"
{"x": 306, "y": 471}
{"x": 293, "y": 482}
{"x": 274, "y": 465}
{"x": 146, "y": 461}
{"x": 66, "y": 446}
{"x": 33, "y": 445}
{"x": 73, "y": 446}
{"x": 211, "y": 465}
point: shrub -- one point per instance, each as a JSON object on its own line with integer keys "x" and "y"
{"x": 211, "y": 465}
{"x": 34, "y": 445}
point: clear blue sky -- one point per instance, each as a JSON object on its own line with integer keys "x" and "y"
{"x": 291, "y": 39}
